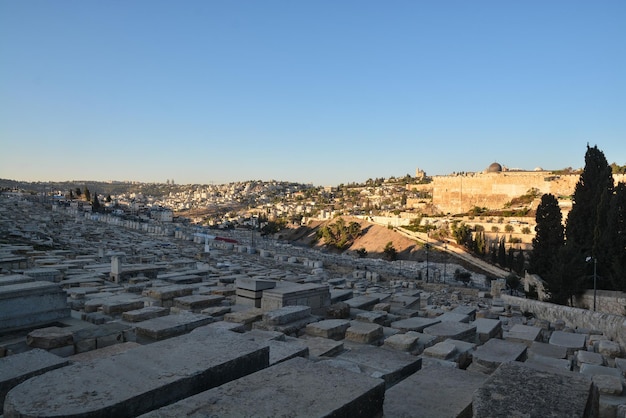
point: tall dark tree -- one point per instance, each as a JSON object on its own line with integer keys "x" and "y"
{"x": 95, "y": 204}
{"x": 502, "y": 253}
{"x": 586, "y": 222}
{"x": 615, "y": 236}
{"x": 549, "y": 236}
{"x": 87, "y": 194}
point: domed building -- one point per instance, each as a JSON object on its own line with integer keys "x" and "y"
{"x": 494, "y": 168}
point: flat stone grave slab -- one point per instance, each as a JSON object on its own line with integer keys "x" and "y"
{"x": 487, "y": 329}
{"x": 246, "y": 317}
{"x": 18, "y": 368}
{"x": 168, "y": 292}
{"x": 466, "y": 310}
{"x": 489, "y": 356}
{"x": 364, "y": 332}
{"x": 546, "y": 350}
{"x": 374, "y": 317}
{"x": 172, "y": 325}
{"x": 558, "y": 364}
{"x": 363, "y": 302}
{"x": 139, "y": 380}
{"x": 414, "y": 324}
{"x": 434, "y": 391}
{"x": 454, "y": 317}
{"x": 523, "y": 334}
{"x": 593, "y": 370}
{"x": 283, "y": 350}
{"x": 297, "y": 387}
{"x": 143, "y": 314}
{"x": 392, "y": 366}
{"x": 254, "y": 285}
{"x": 104, "y": 352}
{"x": 335, "y": 329}
{"x": 523, "y": 390}
{"x": 186, "y": 279}
{"x": 323, "y": 347}
{"x": 196, "y": 303}
{"x": 452, "y": 330}
{"x": 571, "y": 341}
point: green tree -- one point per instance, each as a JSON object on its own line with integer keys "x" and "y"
{"x": 390, "y": 252}
{"x": 549, "y": 236}
{"x": 87, "y": 194}
{"x": 95, "y": 204}
{"x": 78, "y": 192}
{"x": 590, "y": 204}
{"x": 502, "y": 253}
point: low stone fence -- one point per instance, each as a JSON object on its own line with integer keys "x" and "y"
{"x": 612, "y": 326}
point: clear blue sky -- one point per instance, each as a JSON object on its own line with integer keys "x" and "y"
{"x": 321, "y": 92}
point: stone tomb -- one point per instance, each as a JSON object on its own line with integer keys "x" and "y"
{"x": 489, "y": 356}
{"x": 392, "y": 366}
{"x": 172, "y": 325}
{"x": 25, "y": 305}
{"x": 524, "y": 390}
{"x": 18, "y": 368}
{"x": 417, "y": 324}
{"x": 453, "y": 330}
{"x": 434, "y": 391}
{"x": 139, "y": 380}
{"x": 297, "y": 387}
{"x": 316, "y": 296}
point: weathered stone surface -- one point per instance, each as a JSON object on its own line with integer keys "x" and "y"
{"x": 454, "y": 317}
{"x": 452, "y": 330}
{"x": 584, "y": 356}
{"x": 26, "y": 305}
{"x": 402, "y": 342}
{"x": 169, "y": 292}
{"x": 392, "y": 366}
{"x": 254, "y": 285}
{"x": 172, "y": 325}
{"x": 286, "y": 314}
{"x": 487, "y": 328}
{"x": 196, "y": 303}
{"x": 335, "y": 329}
{"x": 294, "y": 388}
{"x": 593, "y": 370}
{"x": 374, "y": 317}
{"x": 143, "y": 314}
{"x": 522, "y": 390}
{"x": 609, "y": 385}
{"x": 414, "y": 324}
{"x": 489, "y": 356}
{"x": 443, "y": 350}
{"x": 433, "y": 391}
{"x": 323, "y": 347}
{"x": 244, "y": 317}
{"x": 145, "y": 378}
{"x": 571, "y": 341}
{"x": 557, "y": 364}
{"x": 363, "y": 302}
{"x": 104, "y": 352}
{"x": 523, "y": 334}
{"x": 546, "y": 350}
{"x": 364, "y": 332}
{"x": 18, "y": 368}
{"x": 609, "y": 349}
{"x": 50, "y": 337}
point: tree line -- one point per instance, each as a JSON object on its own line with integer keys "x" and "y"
{"x": 593, "y": 236}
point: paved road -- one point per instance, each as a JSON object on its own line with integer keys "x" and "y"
{"x": 456, "y": 251}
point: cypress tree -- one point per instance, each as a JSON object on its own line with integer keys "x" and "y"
{"x": 615, "y": 238}
{"x": 549, "y": 236}
{"x": 586, "y": 222}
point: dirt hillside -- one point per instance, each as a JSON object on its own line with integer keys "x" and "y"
{"x": 373, "y": 238}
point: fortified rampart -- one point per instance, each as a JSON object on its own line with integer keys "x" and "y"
{"x": 492, "y": 190}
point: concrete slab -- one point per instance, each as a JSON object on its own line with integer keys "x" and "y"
{"x": 521, "y": 390}
{"x": 434, "y": 391}
{"x": 323, "y": 347}
{"x": 364, "y": 332}
{"x": 487, "y": 328}
{"x": 335, "y": 329}
{"x": 414, "y": 324}
{"x": 172, "y": 325}
{"x": 145, "y": 378}
{"x": 489, "y": 356}
{"x": 392, "y": 366}
{"x": 143, "y": 314}
{"x": 523, "y": 334}
{"x": 546, "y": 350}
{"x": 571, "y": 341}
{"x": 18, "y": 368}
{"x": 297, "y": 387}
{"x": 452, "y": 330}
